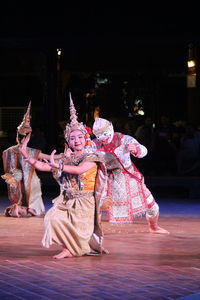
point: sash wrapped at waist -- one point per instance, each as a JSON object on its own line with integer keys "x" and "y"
{"x": 71, "y": 198}
{"x": 78, "y": 194}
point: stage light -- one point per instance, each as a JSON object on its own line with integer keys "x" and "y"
{"x": 59, "y": 51}
{"x": 191, "y": 64}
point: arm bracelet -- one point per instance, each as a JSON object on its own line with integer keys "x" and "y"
{"x": 28, "y": 160}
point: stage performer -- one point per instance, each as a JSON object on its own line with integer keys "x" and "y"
{"x": 23, "y": 184}
{"x": 73, "y": 220}
{"x": 126, "y": 188}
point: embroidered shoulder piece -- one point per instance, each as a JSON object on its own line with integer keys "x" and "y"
{"x": 96, "y": 157}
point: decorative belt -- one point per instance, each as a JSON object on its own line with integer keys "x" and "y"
{"x": 73, "y": 195}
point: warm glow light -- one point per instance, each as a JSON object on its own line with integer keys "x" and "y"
{"x": 96, "y": 112}
{"x": 59, "y": 51}
{"x": 140, "y": 112}
{"x": 191, "y": 64}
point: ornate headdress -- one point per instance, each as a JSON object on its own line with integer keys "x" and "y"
{"x": 25, "y": 126}
{"x": 74, "y": 124}
{"x": 101, "y": 125}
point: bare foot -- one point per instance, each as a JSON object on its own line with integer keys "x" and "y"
{"x": 64, "y": 254}
{"x": 157, "y": 229}
{"x": 32, "y": 211}
{"x": 105, "y": 251}
{"x": 15, "y": 211}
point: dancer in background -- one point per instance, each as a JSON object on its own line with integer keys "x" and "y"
{"x": 23, "y": 184}
{"x": 126, "y": 188}
{"x": 73, "y": 221}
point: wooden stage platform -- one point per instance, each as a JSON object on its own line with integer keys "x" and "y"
{"x": 140, "y": 265}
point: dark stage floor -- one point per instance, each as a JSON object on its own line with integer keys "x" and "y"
{"x": 140, "y": 265}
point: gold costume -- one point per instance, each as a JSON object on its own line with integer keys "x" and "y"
{"x": 73, "y": 221}
{"x": 23, "y": 183}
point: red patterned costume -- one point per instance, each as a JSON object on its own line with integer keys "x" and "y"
{"x": 126, "y": 187}
{"x": 125, "y": 183}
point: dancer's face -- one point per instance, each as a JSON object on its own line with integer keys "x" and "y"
{"x": 21, "y": 138}
{"x": 77, "y": 140}
{"x": 106, "y": 136}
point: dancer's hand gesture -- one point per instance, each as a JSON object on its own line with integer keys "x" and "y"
{"x": 67, "y": 151}
{"x": 23, "y": 146}
{"x": 52, "y": 162}
{"x": 131, "y": 148}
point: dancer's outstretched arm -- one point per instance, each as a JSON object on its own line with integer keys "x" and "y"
{"x": 41, "y": 166}
{"x": 82, "y": 168}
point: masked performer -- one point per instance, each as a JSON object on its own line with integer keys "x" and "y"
{"x": 73, "y": 221}
{"x": 23, "y": 184}
{"x": 126, "y": 187}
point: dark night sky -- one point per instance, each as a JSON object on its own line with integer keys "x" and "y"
{"x": 102, "y": 35}
{"x": 101, "y": 32}
{"x": 140, "y": 20}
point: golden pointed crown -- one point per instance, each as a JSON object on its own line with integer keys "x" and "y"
{"x": 74, "y": 124}
{"x": 25, "y": 126}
